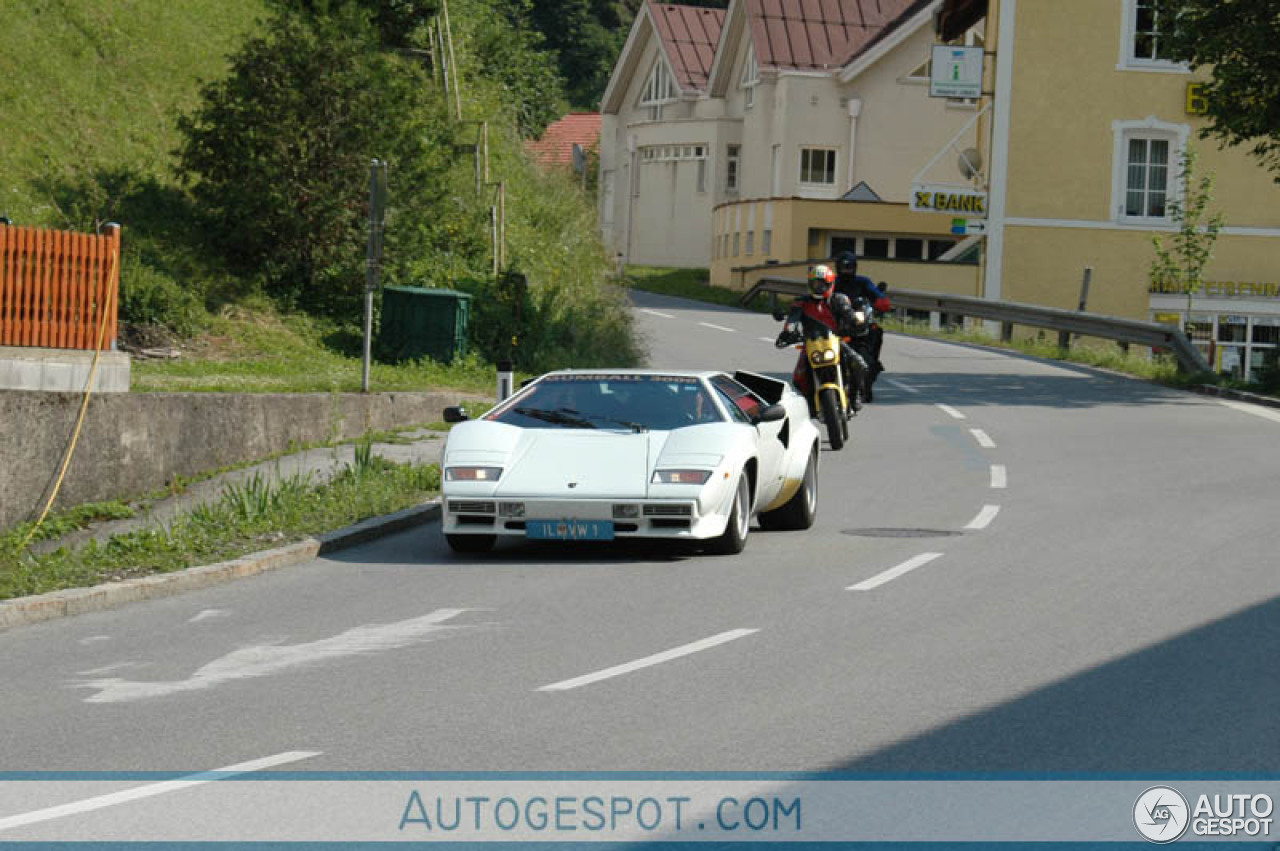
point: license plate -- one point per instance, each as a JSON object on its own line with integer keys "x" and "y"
{"x": 570, "y": 530}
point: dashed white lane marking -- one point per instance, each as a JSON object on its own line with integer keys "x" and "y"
{"x": 1256, "y": 410}
{"x": 652, "y": 312}
{"x": 209, "y": 614}
{"x": 151, "y": 790}
{"x": 999, "y": 476}
{"x": 894, "y": 572}
{"x": 717, "y": 327}
{"x": 906, "y": 387}
{"x": 983, "y": 440}
{"x": 94, "y": 639}
{"x": 984, "y": 518}
{"x": 268, "y": 659}
{"x": 649, "y": 661}
{"x": 766, "y": 339}
{"x": 951, "y": 412}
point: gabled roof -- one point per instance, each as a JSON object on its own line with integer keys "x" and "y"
{"x": 821, "y": 34}
{"x": 555, "y": 148}
{"x": 689, "y": 35}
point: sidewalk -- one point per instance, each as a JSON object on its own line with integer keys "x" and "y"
{"x": 420, "y": 446}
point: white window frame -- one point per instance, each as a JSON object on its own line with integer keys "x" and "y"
{"x": 750, "y": 77}
{"x": 831, "y": 154}
{"x": 659, "y": 90}
{"x": 1150, "y": 128}
{"x": 732, "y": 169}
{"x": 1128, "y": 41}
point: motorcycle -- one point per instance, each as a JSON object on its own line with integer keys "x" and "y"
{"x": 860, "y": 338}
{"x": 822, "y": 354}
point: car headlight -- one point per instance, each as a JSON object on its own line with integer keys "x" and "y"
{"x": 472, "y": 474}
{"x": 681, "y": 477}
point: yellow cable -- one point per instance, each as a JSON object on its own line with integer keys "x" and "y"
{"x": 84, "y": 407}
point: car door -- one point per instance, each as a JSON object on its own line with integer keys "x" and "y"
{"x": 746, "y": 406}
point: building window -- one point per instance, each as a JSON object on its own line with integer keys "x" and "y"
{"x": 751, "y": 243}
{"x": 658, "y": 90}
{"x": 875, "y": 247}
{"x": 732, "y": 160}
{"x": 702, "y": 175}
{"x": 908, "y": 249}
{"x": 750, "y": 77}
{"x": 1142, "y": 40}
{"x": 1147, "y": 178}
{"x": 736, "y": 243}
{"x": 818, "y": 166}
{"x": 1145, "y": 171}
{"x": 766, "y": 242}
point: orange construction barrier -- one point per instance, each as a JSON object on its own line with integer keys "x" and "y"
{"x": 55, "y": 285}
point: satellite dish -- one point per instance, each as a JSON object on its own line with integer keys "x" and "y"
{"x": 970, "y": 162}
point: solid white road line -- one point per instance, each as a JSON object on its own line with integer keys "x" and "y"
{"x": 999, "y": 476}
{"x": 652, "y": 312}
{"x": 717, "y": 327}
{"x": 984, "y": 518}
{"x": 894, "y": 572}
{"x": 983, "y": 440}
{"x": 649, "y": 661}
{"x": 951, "y": 412}
{"x": 1256, "y": 410}
{"x": 151, "y": 790}
{"x": 907, "y": 387}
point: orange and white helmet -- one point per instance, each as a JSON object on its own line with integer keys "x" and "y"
{"x": 822, "y": 280}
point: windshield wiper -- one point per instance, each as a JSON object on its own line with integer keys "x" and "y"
{"x": 560, "y": 416}
{"x": 635, "y": 427}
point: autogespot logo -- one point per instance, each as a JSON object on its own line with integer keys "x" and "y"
{"x": 1161, "y": 814}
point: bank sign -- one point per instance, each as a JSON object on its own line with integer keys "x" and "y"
{"x": 930, "y": 198}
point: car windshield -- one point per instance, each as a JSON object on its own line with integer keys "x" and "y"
{"x": 611, "y": 402}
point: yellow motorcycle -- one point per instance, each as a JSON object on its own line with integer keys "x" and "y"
{"x": 826, "y": 376}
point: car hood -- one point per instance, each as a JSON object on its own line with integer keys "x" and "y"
{"x": 577, "y": 463}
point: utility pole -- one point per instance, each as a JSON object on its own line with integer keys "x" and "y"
{"x": 377, "y": 215}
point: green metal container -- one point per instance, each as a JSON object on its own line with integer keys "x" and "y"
{"x": 420, "y": 323}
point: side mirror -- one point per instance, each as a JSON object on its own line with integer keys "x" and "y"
{"x": 779, "y": 315}
{"x": 772, "y": 414}
{"x": 455, "y": 414}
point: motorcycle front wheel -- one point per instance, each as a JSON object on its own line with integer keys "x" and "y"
{"x": 832, "y": 416}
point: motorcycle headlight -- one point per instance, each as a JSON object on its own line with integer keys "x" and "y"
{"x": 472, "y": 474}
{"x": 820, "y": 357}
{"x": 860, "y": 315}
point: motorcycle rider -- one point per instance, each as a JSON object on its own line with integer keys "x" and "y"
{"x": 852, "y": 285}
{"x": 834, "y": 310}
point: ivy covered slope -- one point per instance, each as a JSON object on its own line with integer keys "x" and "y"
{"x": 233, "y": 140}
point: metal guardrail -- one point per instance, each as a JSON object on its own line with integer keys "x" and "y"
{"x": 1009, "y": 314}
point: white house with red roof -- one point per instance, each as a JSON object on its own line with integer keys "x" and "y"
{"x": 775, "y": 131}
{"x": 554, "y": 149}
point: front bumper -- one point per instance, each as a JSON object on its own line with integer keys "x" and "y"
{"x": 641, "y": 518}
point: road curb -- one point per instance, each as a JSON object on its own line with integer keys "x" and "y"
{"x": 23, "y": 611}
{"x": 1236, "y": 395}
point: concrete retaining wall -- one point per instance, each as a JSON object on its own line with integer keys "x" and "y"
{"x": 135, "y": 443}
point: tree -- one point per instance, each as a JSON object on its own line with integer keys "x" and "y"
{"x": 1180, "y": 268}
{"x": 1239, "y": 41}
{"x": 278, "y": 155}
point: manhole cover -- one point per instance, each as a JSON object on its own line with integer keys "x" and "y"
{"x": 901, "y": 533}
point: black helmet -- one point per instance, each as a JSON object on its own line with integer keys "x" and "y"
{"x": 847, "y": 263}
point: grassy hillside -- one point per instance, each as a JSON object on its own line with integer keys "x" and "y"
{"x": 90, "y": 86}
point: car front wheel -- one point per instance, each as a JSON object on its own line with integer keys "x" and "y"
{"x": 734, "y": 538}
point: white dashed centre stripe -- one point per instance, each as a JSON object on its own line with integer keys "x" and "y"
{"x": 951, "y": 412}
{"x": 984, "y": 518}
{"x": 652, "y": 312}
{"x": 906, "y": 387}
{"x": 650, "y": 661}
{"x": 894, "y": 572}
{"x": 999, "y": 476}
{"x": 717, "y": 327}
{"x": 983, "y": 440}
{"x": 151, "y": 790}
{"x": 766, "y": 339}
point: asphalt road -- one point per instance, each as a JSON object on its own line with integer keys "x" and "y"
{"x": 1016, "y": 566}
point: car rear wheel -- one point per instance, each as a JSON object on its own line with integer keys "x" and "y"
{"x": 734, "y": 538}
{"x": 799, "y": 511}
{"x": 470, "y": 543}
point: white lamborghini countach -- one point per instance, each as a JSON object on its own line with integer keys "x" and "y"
{"x": 596, "y": 455}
